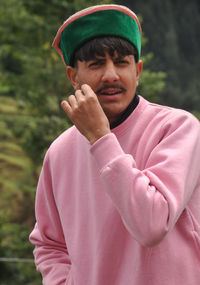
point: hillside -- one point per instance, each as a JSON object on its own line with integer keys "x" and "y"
{"x": 16, "y": 198}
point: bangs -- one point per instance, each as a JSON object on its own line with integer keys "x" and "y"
{"x": 102, "y": 45}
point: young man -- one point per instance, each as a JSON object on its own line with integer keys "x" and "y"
{"x": 118, "y": 196}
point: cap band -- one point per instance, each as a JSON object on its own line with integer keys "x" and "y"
{"x": 106, "y": 22}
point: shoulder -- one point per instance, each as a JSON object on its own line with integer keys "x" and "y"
{"x": 66, "y": 138}
{"x": 166, "y": 115}
{"x": 64, "y": 145}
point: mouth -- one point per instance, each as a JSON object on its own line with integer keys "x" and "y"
{"x": 110, "y": 91}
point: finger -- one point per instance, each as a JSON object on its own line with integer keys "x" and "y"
{"x": 79, "y": 95}
{"x": 87, "y": 90}
{"x": 67, "y": 108}
{"x": 73, "y": 102}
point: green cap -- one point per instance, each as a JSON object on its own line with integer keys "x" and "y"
{"x": 96, "y": 21}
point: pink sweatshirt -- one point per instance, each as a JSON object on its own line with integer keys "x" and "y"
{"x": 125, "y": 211}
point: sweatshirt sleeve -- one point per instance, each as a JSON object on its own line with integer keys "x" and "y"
{"x": 51, "y": 255}
{"x": 150, "y": 200}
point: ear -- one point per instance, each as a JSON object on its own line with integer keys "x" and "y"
{"x": 72, "y": 76}
{"x": 139, "y": 66}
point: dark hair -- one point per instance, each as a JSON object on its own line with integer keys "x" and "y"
{"x": 100, "y": 45}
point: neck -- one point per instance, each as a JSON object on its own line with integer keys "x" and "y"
{"x": 125, "y": 114}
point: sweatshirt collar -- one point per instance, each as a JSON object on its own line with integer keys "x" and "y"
{"x": 131, "y": 107}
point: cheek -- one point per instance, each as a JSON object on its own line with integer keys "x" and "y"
{"x": 88, "y": 77}
{"x": 92, "y": 79}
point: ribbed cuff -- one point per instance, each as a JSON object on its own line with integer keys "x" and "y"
{"x": 106, "y": 149}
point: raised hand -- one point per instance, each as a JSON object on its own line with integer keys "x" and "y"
{"x": 86, "y": 113}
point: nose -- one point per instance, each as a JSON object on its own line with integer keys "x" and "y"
{"x": 110, "y": 74}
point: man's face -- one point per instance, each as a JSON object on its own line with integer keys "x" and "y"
{"x": 113, "y": 79}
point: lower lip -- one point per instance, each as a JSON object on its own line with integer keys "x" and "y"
{"x": 112, "y": 97}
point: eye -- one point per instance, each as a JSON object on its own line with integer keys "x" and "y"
{"x": 121, "y": 62}
{"x": 95, "y": 63}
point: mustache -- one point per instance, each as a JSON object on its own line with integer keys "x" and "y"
{"x": 106, "y": 86}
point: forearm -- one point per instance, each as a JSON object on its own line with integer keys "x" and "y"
{"x": 51, "y": 259}
{"x": 51, "y": 255}
{"x": 130, "y": 191}
{"x": 150, "y": 200}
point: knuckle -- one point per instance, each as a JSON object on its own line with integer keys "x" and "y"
{"x": 71, "y": 98}
{"x": 85, "y": 86}
{"x": 91, "y": 99}
{"x": 78, "y": 92}
{"x": 81, "y": 101}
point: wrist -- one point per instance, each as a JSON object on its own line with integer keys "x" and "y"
{"x": 97, "y": 136}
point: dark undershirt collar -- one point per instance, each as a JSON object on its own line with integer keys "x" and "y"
{"x": 131, "y": 107}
